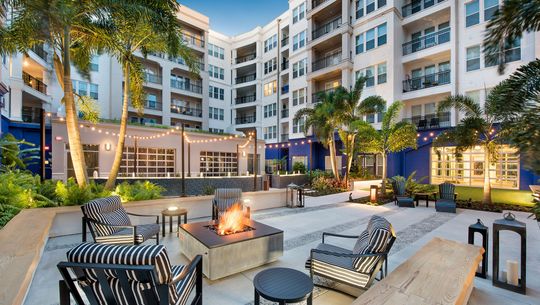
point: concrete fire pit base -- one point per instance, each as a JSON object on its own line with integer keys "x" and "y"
{"x": 230, "y": 254}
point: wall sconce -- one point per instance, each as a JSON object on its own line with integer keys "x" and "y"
{"x": 58, "y": 138}
{"x": 243, "y": 153}
{"x": 108, "y": 146}
{"x": 373, "y": 193}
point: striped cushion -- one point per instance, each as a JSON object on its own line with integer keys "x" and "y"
{"x": 107, "y": 210}
{"x": 185, "y": 286}
{"x": 224, "y": 198}
{"x": 380, "y": 231}
{"x": 125, "y": 236}
{"x": 446, "y": 191}
{"x": 362, "y": 242}
{"x": 155, "y": 255}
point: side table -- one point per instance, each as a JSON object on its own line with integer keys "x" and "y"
{"x": 424, "y": 196}
{"x": 283, "y": 285}
{"x": 178, "y": 212}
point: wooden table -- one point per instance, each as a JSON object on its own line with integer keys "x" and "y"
{"x": 171, "y": 213}
{"x": 426, "y": 196}
{"x": 442, "y": 272}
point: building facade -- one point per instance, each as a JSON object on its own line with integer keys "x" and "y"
{"x": 417, "y": 52}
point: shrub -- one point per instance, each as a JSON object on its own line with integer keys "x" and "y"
{"x": 208, "y": 190}
{"x": 413, "y": 186}
{"x": 70, "y": 193}
{"x": 139, "y": 190}
{"x": 312, "y": 175}
{"x": 327, "y": 185}
{"x": 299, "y": 167}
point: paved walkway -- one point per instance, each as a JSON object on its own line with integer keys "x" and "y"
{"x": 302, "y": 231}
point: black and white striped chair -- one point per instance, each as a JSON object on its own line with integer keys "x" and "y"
{"x": 223, "y": 199}
{"x": 128, "y": 275}
{"x": 358, "y": 267}
{"x": 109, "y": 223}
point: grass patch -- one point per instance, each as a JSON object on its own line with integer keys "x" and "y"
{"x": 516, "y": 197}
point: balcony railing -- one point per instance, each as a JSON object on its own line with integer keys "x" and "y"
{"x": 152, "y": 78}
{"x": 285, "y": 65}
{"x": 427, "y": 81}
{"x": 318, "y": 2}
{"x": 427, "y": 41}
{"x": 245, "y": 58}
{"x": 326, "y": 28}
{"x": 245, "y": 99}
{"x": 284, "y": 113}
{"x": 285, "y": 89}
{"x": 285, "y": 41}
{"x": 153, "y": 105}
{"x": 417, "y": 6}
{"x": 180, "y": 60}
{"x": 430, "y": 121}
{"x": 246, "y": 120}
{"x": 34, "y": 83}
{"x": 327, "y": 61}
{"x": 315, "y": 97}
{"x": 39, "y": 50}
{"x": 187, "y": 86}
{"x": 179, "y": 109}
{"x": 246, "y": 78}
{"x": 285, "y": 137}
{"x": 193, "y": 40}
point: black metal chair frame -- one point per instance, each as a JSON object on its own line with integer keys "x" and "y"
{"x": 381, "y": 267}
{"x": 145, "y": 273}
{"x": 86, "y": 221}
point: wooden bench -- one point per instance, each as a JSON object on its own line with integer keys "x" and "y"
{"x": 442, "y": 272}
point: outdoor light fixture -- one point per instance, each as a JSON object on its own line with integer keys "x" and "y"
{"x": 58, "y": 138}
{"x": 107, "y": 146}
{"x": 243, "y": 153}
{"x": 172, "y": 208}
{"x": 373, "y": 193}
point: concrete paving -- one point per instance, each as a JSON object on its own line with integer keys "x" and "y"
{"x": 303, "y": 228}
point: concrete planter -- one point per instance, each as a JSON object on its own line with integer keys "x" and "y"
{"x": 281, "y": 181}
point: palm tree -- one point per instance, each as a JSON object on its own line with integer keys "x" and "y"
{"x": 351, "y": 109}
{"x": 474, "y": 129}
{"x": 155, "y": 31}
{"x": 393, "y": 137}
{"x": 323, "y": 122}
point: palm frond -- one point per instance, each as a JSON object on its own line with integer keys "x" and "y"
{"x": 461, "y": 103}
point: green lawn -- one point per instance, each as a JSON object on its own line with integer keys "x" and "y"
{"x": 497, "y": 195}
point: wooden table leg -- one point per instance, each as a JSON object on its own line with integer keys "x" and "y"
{"x": 170, "y": 224}
{"x": 257, "y": 300}
{"x": 163, "y": 225}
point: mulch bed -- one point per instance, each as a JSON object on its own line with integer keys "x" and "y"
{"x": 365, "y": 200}
{"x": 495, "y": 207}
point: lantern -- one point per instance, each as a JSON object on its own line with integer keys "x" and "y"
{"x": 373, "y": 189}
{"x": 512, "y": 283}
{"x": 479, "y": 227}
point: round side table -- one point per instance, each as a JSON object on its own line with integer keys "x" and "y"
{"x": 283, "y": 285}
{"x": 171, "y": 213}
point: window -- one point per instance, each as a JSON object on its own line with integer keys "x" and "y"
{"x": 216, "y": 130}
{"x": 472, "y": 13}
{"x": 381, "y": 73}
{"x": 368, "y": 73}
{"x": 270, "y": 43}
{"x": 367, "y": 6}
{"x": 473, "y": 58}
{"x": 490, "y": 7}
{"x": 299, "y": 40}
{"x": 467, "y": 168}
{"x": 216, "y": 51}
{"x": 270, "y": 66}
{"x": 250, "y": 160}
{"x": 299, "y": 12}
{"x": 83, "y": 88}
{"x": 91, "y": 156}
{"x": 94, "y": 91}
{"x": 299, "y": 97}
{"x": 299, "y": 68}
{"x": 270, "y": 132}
{"x": 381, "y": 34}
{"x": 512, "y": 52}
{"x": 216, "y": 113}
{"x": 94, "y": 63}
{"x": 215, "y": 163}
{"x": 217, "y": 93}
{"x": 151, "y": 161}
{"x": 370, "y": 39}
{"x": 299, "y": 125}
{"x": 359, "y": 9}
{"x": 216, "y": 72}
{"x": 360, "y": 43}
{"x": 270, "y": 88}
{"x": 270, "y": 110}
{"x": 370, "y": 6}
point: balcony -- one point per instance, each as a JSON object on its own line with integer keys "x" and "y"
{"x": 326, "y": 28}
{"x": 284, "y": 137}
{"x": 427, "y": 41}
{"x": 284, "y": 65}
{"x": 39, "y": 50}
{"x": 430, "y": 121}
{"x": 285, "y": 41}
{"x": 181, "y": 61}
{"x": 153, "y": 105}
{"x": 246, "y": 58}
{"x": 315, "y": 97}
{"x": 284, "y": 113}
{"x": 152, "y": 78}
{"x": 189, "y": 111}
{"x": 187, "y": 86}
{"x": 417, "y": 6}
{"x": 327, "y": 61}
{"x": 285, "y": 89}
{"x": 245, "y": 78}
{"x": 427, "y": 81}
{"x": 245, "y": 99}
{"x": 316, "y": 3}
{"x": 34, "y": 83}
{"x": 193, "y": 40}
{"x": 246, "y": 120}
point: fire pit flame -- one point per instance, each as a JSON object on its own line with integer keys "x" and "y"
{"x": 232, "y": 221}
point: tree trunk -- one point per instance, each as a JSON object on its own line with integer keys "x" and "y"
{"x": 384, "y": 168}
{"x": 350, "y": 157}
{"x": 72, "y": 122}
{"x": 487, "y": 181}
{"x": 333, "y": 161}
{"x": 113, "y": 174}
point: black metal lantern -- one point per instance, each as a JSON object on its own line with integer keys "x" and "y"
{"x": 509, "y": 223}
{"x": 479, "y": 227}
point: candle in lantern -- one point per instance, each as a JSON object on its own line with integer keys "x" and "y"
{"x": 512, "y": 276}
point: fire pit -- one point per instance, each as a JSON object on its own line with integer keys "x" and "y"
{"x": 234, "y": 244}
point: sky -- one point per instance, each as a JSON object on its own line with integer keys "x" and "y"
{"x": 232, "y": 17}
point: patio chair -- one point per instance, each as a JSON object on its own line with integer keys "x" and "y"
{"x": 447, "y": 198}
{"x": 358, "y": 267}
{"x": 401, "y": 198}
{"x": 434, "y": 123}
{"x": 125, "y": 275}
{"x": 422, "y": 124}
{"x": 223, "y": 199}
{"x": 109, "y": 223}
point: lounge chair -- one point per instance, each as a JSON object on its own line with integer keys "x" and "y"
{"x": 400, "y": 194}
{"x": 109, "y": 223}
{"x": 223, "y": 199}
{"x": 447, "y": 198}
{"x": 125, "y": 275}
{"x": 358, "y": 267}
